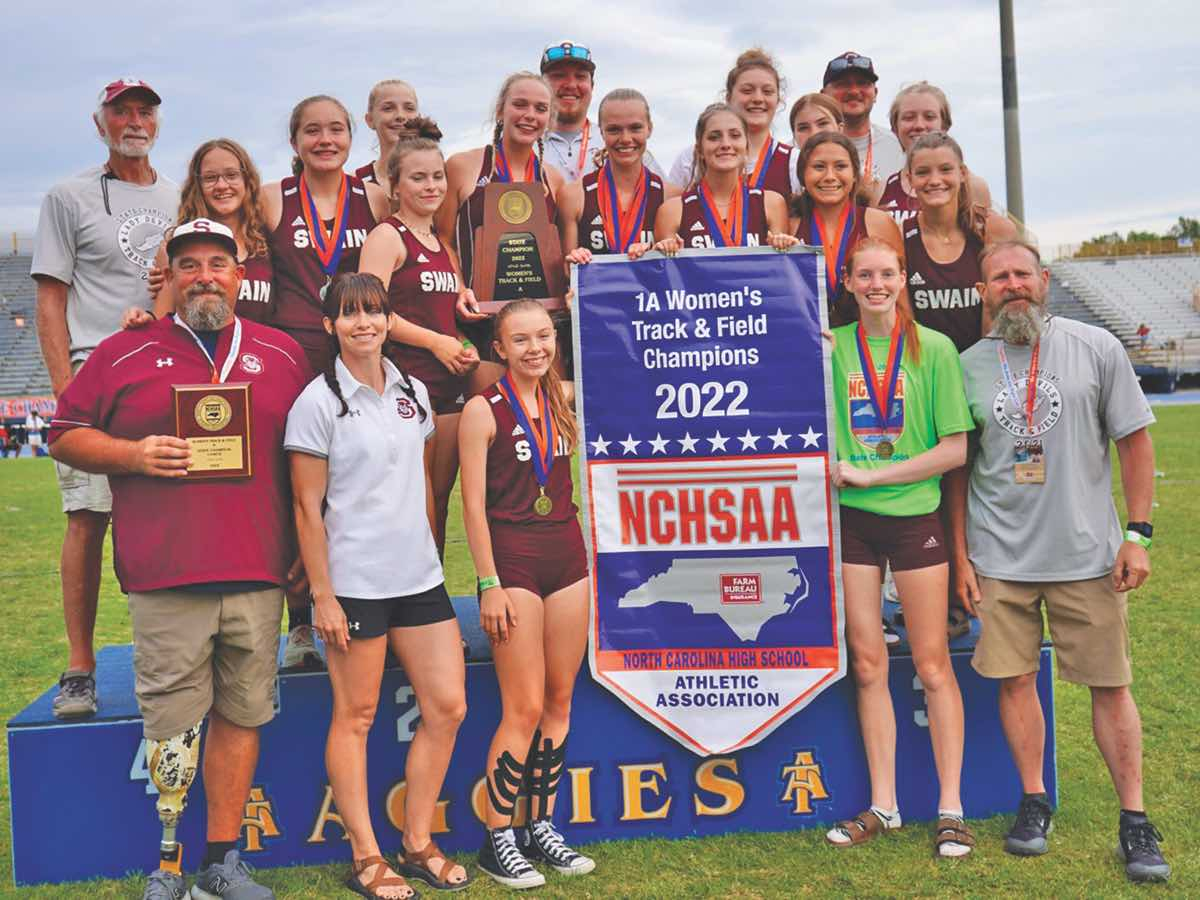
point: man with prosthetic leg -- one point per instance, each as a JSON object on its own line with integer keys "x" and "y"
{"x": 202, "y": 536}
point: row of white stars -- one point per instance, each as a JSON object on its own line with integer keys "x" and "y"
{"x": 687, "y": 443}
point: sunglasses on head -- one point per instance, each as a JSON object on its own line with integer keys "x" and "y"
{"x": 566, "y": 50}
{"x": 842, "y": 63}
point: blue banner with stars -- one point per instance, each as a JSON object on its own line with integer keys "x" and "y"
{"x": 704, "y": 395}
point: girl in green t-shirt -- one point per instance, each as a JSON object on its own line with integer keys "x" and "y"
{"x": 902, "y": 420}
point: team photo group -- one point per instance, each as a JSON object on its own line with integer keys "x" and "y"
{"x": 271, "y": 383}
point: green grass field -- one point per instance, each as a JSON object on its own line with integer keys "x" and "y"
{"x": 1164, "y": 618}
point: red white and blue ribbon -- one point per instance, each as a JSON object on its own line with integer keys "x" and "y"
{"x": 881, "y": 391}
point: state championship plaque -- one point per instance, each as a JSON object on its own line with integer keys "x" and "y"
{"x": 518, "y": 255}
{"x": 215, "y": 421}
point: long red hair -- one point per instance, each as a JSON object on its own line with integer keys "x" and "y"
{"x": 912, "y": 343}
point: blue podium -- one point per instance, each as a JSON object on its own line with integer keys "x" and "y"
{"x": 85, "y": 785}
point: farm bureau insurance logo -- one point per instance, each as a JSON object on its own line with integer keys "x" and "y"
{"x": 139, "y": 232}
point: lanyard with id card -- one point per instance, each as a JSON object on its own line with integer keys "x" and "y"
{"x": 1029, "y": 454}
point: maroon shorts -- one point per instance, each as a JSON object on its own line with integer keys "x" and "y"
{"x": 539, "y": 558}
{"x": 907, "y": 542}
{"x": 447, "y": 394}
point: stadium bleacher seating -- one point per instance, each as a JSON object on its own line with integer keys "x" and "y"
{"x": 1124, "y": 292}
{"x": 21, "y": 368}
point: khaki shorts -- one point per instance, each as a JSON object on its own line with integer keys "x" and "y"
{"x": 1089, "y": 625}
{"x": 82, "y": 490}
{"x": 194, "y": 652}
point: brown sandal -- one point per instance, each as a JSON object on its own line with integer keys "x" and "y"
{"x": 415, "y": 864}
{"x": 860, "y": 829}
{"x": 381, "y": 879}
{"x": 952, "y": 831}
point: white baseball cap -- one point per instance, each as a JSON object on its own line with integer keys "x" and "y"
{"x": 201, "y": 228}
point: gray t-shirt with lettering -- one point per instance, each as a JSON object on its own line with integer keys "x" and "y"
{"x": 1087, "y": 394}
{"x": 103, "y": 255}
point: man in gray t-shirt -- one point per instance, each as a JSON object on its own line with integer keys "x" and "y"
{"x": 96, "y": 239}
{"x": 1047, "y": 396}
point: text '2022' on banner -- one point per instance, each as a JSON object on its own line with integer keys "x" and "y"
{"x": 712, "y": 527}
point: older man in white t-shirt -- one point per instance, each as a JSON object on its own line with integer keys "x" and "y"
{"x": 96, "y": 238}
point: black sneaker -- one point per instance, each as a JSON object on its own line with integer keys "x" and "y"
{"x": 500, "y": 858}
{"x": 1027, "y": 837}
{"x": 542, "y": 842}
{"x": 76, "y": 697}
{"x": 1137, "y": 846}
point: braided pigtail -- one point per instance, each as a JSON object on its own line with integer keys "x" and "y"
{"x": 410, "y": 392}
{"x": 332, "y": 382}
{"x": 541, "y": 156}
{"x": 497, "y": 134}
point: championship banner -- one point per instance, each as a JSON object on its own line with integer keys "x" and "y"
{"x": 19, "y": 407}
{"x": 704, "y": 395}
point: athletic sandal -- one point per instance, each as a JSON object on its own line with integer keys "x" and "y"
{"x": 859, "y": 830}
{"x": 952, "y": 831}
{"x": 415, "y": 864}
{"x": 381, "y": 879}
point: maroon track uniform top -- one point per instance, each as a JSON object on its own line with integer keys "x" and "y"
{"x": 470, "y": 216}
{"x": 842, "y": 307}
{"x": 779, "y": 177}
{"x": 366, "y": 173}
{"x": 256, "y": 296}
{"x": 693, "y": 227}
{"x": 943, "y": 295}
{"x": 591, "y": 223}
{"x": 512, "y": 486}
{"x": 173, "y": 532}
{"x": 896, "y": 202}
{"x": 298, "y": 274}
{"x": 424, "y": 291}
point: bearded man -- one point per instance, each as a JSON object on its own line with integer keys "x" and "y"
{"x": 1036, "y": 527}
{"x": 203, "y": 559}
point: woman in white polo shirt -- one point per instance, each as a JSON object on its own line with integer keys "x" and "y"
{"x": 358, "y": 442}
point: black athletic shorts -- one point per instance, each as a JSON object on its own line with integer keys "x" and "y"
{"x": 370, "y": 618}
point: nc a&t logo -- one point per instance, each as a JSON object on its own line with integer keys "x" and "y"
{"x": 802, "y": 783}
{"x": 258, "y": 821}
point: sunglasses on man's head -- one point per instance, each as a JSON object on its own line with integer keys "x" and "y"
{"x": 567, "y": 50}
{"x": 842, "y": 63}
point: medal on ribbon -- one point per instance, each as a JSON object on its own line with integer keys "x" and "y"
{"x": 542, "y": 438}
{"x": 882, "y": 391}
{"x": 503, "y": 171}
{"x": 765, "y": 155}
{"x": 1029, "y": 465}
{"x": 621, "y": 229}
{"x": 841, "y": 240}
{"x": 328, "y": 244}
{"x": 730, "y": 231}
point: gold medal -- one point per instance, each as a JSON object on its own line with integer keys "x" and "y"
{"x": 543, "y": 504}
{"x": 884, "y": 449}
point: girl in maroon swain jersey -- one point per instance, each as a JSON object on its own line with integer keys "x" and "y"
{"x": 318, "y": 220}
{"x": 515, "y": 442}
{"x": 406, "y": 254}
{"x": 918, "y": 109}
{"x": 222, "y": 184}
{"x": 721, "y": 209}
{"x": 612, "y": 210}
{"x": 755, "y": 89}
{"x": 812, "y": 114}
{"x": 522, "y": 113}
{"x": 391, "y": 104}
{"x": 831, "y": 212}
{"x": 942, "y": 242}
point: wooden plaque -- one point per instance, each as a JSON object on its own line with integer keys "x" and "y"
{"x": 517, "y": 251}
{"x": 215, "y": 420}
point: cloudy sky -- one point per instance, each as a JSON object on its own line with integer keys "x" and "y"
{"x": 1110, "y": 111}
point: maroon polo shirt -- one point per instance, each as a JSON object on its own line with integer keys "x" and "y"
{"x": 173, "y": 532}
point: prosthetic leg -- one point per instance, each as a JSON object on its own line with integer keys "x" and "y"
{"x": 172, "y": 764}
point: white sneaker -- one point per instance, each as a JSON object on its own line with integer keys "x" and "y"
{"x": 300, "y": 651}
